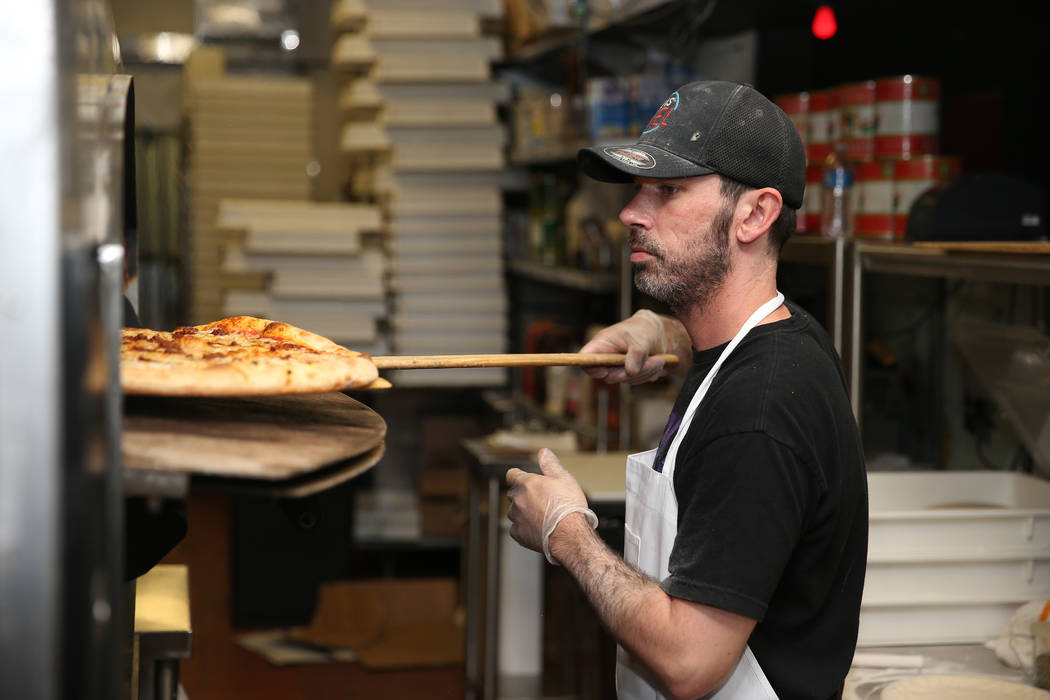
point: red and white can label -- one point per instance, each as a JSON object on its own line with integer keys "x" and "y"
{"x": 796, "y": 107}
{"x": 809, "y": 213}
{"x": 907, "y": 116}
{"x": 857, "y": 115}
{"x": 822, "y": 126}
{"x": 873, "y": 216}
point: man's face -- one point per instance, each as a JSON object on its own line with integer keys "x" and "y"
{"x": 679, "y": 239}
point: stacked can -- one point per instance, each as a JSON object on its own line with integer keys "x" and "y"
{"x": 857, "y": 131}
{"x": 914, "y": 176}
{"x": 809, "y": 215}
{"x": 822, "y": 128}
{"x": 873, "y": 217}
{"x": 907, "y": 116}
{"x": 796, "y": 106}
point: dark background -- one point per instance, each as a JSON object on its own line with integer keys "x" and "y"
{"x": 991, "y": 59}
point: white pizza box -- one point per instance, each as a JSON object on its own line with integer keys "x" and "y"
{"x": 215, "y": 168}
{"x": 441, "y": 67}
{"x": 411, "y": 246}
{"x": 960, "y": 511}
{"x": 952, "y": 554}
{"x": 439, "y": 193}
{"x": 440, "y": 303}
{"x": 485, "y": 48}
{"x": 424, "y": 112}
{"x": 300, "y": 118}
{"x": 360, "y": 93}
{"x": 373, "y": 308}
{"x": 346, "y": 288}
{"x": 364, "y": 137}
{"x": 248, "y": 190}
{"x": 446, "y": 225}
{"x": 247, "y": 126}
{"x": 488, "y": 180}
{"x": 235, "y": 259}
{"x": 422, "y": 136}
{"x": 488, "y": 282}
{"x": 459, "y": 377}
{"x": 240, "y": 143}
{"x": 456, "y": 264}
{"x": 932, "y": 622}
{"x": 429, "y": 23}
{"x": 369, "y": 264}
{"x": 353, "y": 52}
{"x": 292, "y": 177}
{"x": 438, "y": 157}
{"x": 440, "y": 343}
{"x": 253, "y": 159}
{"x": 487, "y": 90}
{"x": 246, "y": 88}
{"x": 446, "y": 201}
{"x": 334, "y": 269}
{"x": 455, "y": 322}
{"x": 301, "y": 243}
{"x": 348, "y": 15}
{"x": 362, "y": 217}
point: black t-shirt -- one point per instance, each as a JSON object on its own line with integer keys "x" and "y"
{"x": 772, "y": 503}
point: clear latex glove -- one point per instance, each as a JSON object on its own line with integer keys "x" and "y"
{"x": 554, "y": 514}
{"x": 539, "y": 502}
{"x": 641, "y": 337}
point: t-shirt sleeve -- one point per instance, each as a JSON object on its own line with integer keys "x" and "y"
{"x": 742, "y": 500}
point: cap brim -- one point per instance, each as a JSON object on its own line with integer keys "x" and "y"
{"x": 624, "y": 163}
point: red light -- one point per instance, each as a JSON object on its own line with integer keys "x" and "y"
{"x": 824, "y": 24}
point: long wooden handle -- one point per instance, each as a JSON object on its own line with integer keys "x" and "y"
{"x": 550, "y": 359}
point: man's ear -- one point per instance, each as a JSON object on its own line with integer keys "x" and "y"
{"x": 762, "y": 209}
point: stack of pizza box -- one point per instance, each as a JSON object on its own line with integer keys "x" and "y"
{"x": 319, "y": 271}
{"x": 250, "y": 137}
{"x": 423, "y": 137}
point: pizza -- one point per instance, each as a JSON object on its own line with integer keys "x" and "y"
{"x": 238, "y": 356}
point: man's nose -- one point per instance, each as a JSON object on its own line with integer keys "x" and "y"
{"x": 634, "y": 214}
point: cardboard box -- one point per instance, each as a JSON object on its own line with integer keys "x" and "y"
{"x": 389, "y": 623}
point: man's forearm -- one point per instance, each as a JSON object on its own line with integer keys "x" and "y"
{"x": 614, "y": 588}
{"x": 680, "y": 643}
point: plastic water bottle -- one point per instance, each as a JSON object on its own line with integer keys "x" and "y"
{"x": 836, "y": 216}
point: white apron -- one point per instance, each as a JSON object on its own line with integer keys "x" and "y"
{"x": 650, "y": 527}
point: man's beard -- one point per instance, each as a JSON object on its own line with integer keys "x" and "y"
{"x": 692, "y": 280}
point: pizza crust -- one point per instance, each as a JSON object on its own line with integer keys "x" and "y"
{"x": 240, "y": 356}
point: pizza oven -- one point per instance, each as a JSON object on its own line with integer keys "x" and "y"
{"x": 66, "y": 218}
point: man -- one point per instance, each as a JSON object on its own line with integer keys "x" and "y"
{"x": 746, "y": 531}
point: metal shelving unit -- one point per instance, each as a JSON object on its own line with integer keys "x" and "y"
{"x": 848, "y": 260}
{"x": 924, "y": 261}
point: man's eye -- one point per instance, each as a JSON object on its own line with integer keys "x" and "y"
{"x": 668, "y": 190}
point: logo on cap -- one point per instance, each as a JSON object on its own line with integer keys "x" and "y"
{"x": 666, "y": 110}
{"x": 632, "y": 156}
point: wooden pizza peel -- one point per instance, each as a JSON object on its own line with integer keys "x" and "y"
{"x": 551, "y": 359}
{"x": 283, "y": 445}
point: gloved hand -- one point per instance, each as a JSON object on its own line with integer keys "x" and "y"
{"x": 539, "y": 502}
{"x": 641, "y": 336}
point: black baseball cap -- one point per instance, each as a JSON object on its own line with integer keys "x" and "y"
{"x": 710, "y": 126}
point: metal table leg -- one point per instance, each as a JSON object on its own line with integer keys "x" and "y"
{"x": 473, "y": 586}
{"x": 491, "y": 588}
